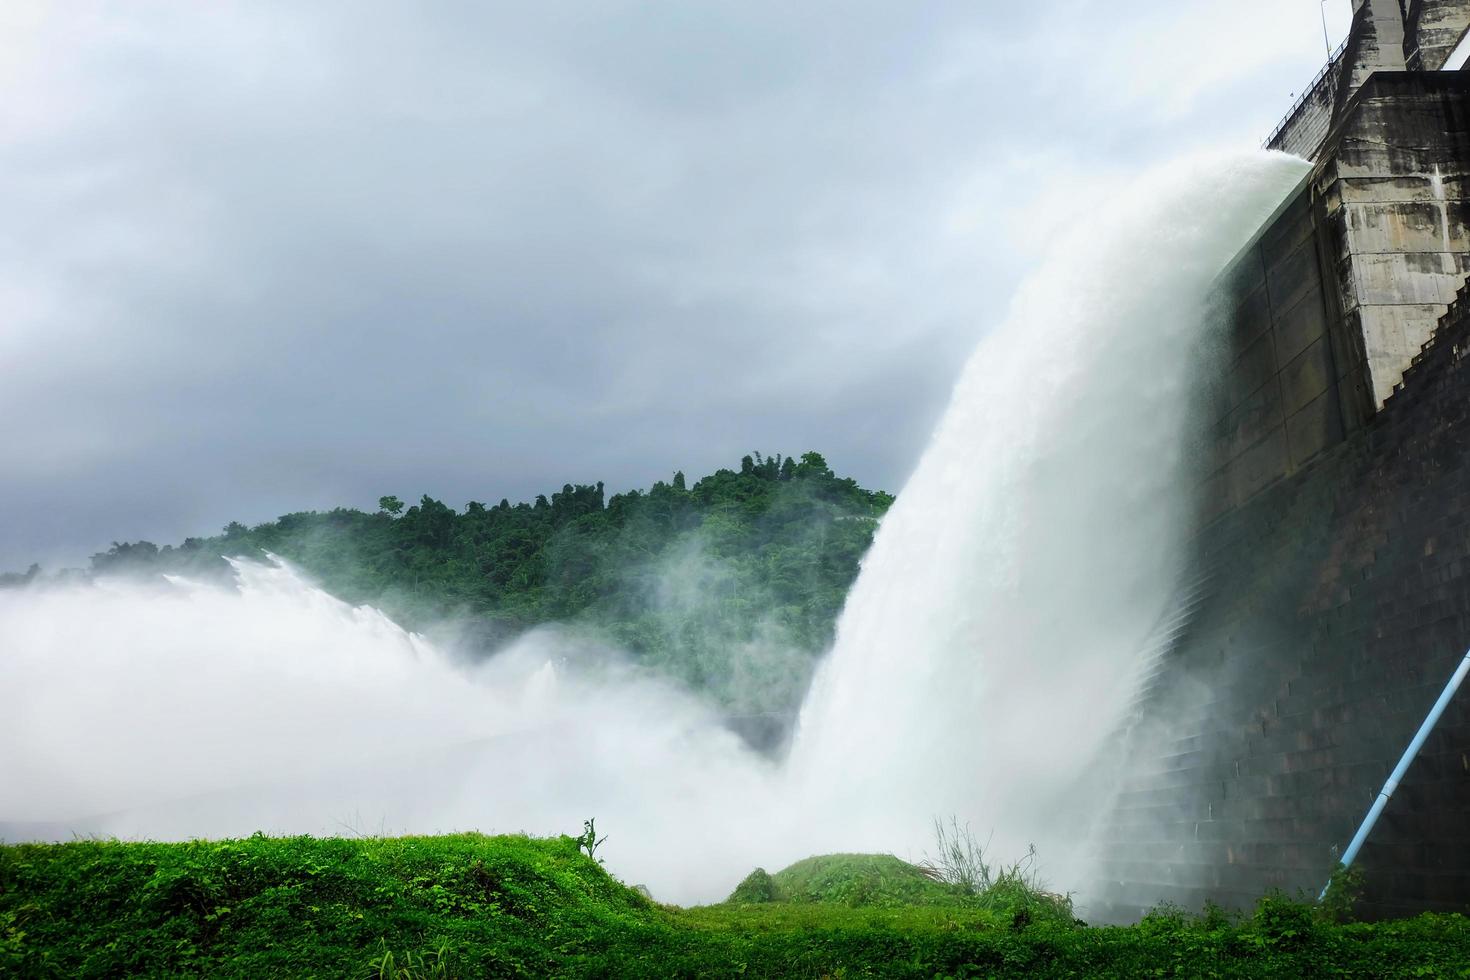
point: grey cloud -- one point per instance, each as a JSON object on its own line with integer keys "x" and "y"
{"x": 258, "y": 258}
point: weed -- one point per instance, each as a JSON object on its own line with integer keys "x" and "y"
{"x": 433, "y": 965}
{"x": 1015, "y": 889}
{"x": 589, "y": 841}
{"x": 959, "y": 859}
{"x": 1344, "y": 889}
{"x": 757, "y": 886}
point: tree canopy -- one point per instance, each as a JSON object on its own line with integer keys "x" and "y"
{"x": 731, "y": 586}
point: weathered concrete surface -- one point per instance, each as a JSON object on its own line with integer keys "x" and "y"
{"x": 1395, "y": 191}
{"x": 1432, "y": 28}
{"x": 1340, "y": 291}
{"x": 1375, "y": 43}
{"x": 1336, "y": 605}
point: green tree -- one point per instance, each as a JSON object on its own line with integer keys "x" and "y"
{"x": 697, "y": 581}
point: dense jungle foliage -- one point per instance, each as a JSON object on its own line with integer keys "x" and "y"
{"x": 731, "y": 585}
{"x": 474, "y": 906}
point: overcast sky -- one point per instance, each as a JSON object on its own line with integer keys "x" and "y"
{"x": 264, "y": 257}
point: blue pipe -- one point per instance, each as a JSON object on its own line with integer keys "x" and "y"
{"x": 1376, "y": 809}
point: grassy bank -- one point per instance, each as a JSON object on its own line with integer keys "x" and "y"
{"x": 469, "y": 906}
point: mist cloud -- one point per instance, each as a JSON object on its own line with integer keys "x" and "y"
{"x": 315, "y": 717}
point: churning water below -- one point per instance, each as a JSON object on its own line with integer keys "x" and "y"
{"x": 982, "y": 660}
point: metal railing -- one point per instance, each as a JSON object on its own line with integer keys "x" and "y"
{"x": 1328, "y": 73}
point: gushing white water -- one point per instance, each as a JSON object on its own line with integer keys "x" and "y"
{"x": 982, "y": 657}
{"x": 988, "y": 646}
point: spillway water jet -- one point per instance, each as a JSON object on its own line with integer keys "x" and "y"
{"x": 987, "y": 648}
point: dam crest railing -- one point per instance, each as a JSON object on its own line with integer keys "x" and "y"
{"x": 1327, "y": 76}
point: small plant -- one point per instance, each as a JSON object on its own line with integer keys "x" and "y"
{"x": 12, "y": 953}
{"x": 1282, "y": 922}
{"x": 1016, "y": 889}
{"x": 1213, "y": 917}
{"x": 433, "y": 965}
{"x": 1344, "y": 889}
{"x": 757, "y": 888}
{"x": 960, "y": 860}
{"x": 1164, "y": 918}
{"x": 589, "y": 841}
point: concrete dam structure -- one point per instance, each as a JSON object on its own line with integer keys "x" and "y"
{"x": 1332, "y": 556}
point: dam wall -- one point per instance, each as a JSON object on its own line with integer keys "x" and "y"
{"x": 1333, "y": 550}
{"x": 1338, "y": 293}
{"x": 1336, "y": 605}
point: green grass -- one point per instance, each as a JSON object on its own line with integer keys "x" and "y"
{"x": 471, "y": 906}
{"x": 859, "y": 880}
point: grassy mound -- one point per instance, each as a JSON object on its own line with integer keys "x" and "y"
{"x": 855, "y": 880}
{"x": 473, "y": 906}
{"x": 267, "y": 907}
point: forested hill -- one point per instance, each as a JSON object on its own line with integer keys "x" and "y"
{"x": 731, "y": 585}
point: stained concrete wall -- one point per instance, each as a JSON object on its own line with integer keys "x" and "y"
{"x": 1343, "y": 287}
{"x": 1432, "y": 29}
{"x": 1395, "y": 192}
{"x": 1337, "y": 603}
{"x": 1375, "y": 43}
{"x": 1281, "y": 400}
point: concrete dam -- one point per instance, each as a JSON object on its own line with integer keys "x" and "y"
{"x": 1330, "y": 596}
